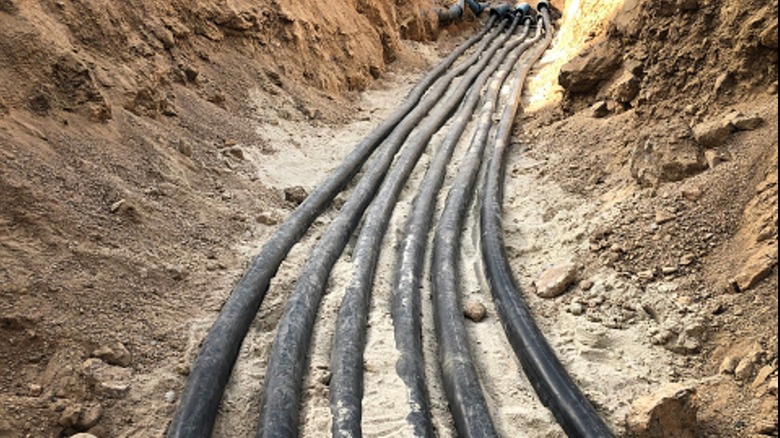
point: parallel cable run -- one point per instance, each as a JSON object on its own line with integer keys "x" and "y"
{"x": 280, "y": 403}
{"x": 197, "y": 410}
{"x": 461, "y": 382}
{"x": 552, "y": 383}
{"x": 347, "y": 359}
{"x": 406, "y": 301}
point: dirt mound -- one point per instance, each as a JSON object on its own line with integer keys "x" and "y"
{"x": 661, "y": 57}
{"x": 666, "y": 134}
{"x": 76, "y": 56}
{"x": 125, "y": 130}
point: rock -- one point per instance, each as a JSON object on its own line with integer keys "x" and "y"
{"x": 587, "y": 285}
{"x": 34, "y": 390}
{"x": 267, "y": 218}
{"x": 599, "y": 110}
{"x": 729, "y": 365}
{"x": 110, "y": 381}
{"x": 692, "y": 194}
{"x": 295, "y": 195}
{"x": 83, "y": 435}
{"x": 554, "y": 282}
{"x": 687, "y": 260}
{"x": 184, "y": 147}
{"x": 168, "y": 108}
{"x": 170, "y": 397}
{"x": 741, "y": 122}
{"x": 585, "y": 72}
{"x": 626, "y": 88}
{"x": 576, "y": 309}
{"x": 766, "y": 427}
{"x": 646, "y": 275}
{"x": 114, "y": 354}
{"x": 762, "y": 377}
{"x": 745, "y": 369}
{"x": 715, "y": 157}
{"x": 670, "y": 270}
{"x": 190, "y": 73}
{"x": 757, "y": 268}
{"x": 89, "y": 418}
{"x": 163, "y": 35}
{"x": 475, "y": 311}
{"x": 118, "y": 205}
{"x": 723, "y": 83}
{"x": 70, "y": 416}
{"x": 235, "y": 152}
{"x": 768, "y": 37}
{"x": 669, "y": 412}
{"x": 634, "y": 66}
{"x": 772, "y": 386}
{"x": 712, "y": 134}
{"x": 179, "y": 272}
{"x": 671, "y": 155}
{"x": 690, "y": 340}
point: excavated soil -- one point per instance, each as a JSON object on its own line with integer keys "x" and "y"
{"x": 150, "y": 148}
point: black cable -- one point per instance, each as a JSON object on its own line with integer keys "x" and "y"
{"x": 346, "y": 391}
{"x": 281, "y": 396}
{"x": 550, "y": 380}
{"x": 211, "y": 371}
{"x": 406, "y": 302}
{"x": 461, "y": 382}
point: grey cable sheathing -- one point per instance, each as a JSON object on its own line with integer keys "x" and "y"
{"x": 406, "y": 301}
{"x": 346, "y": 388}
{"x": 552, "y": 383}
{"x": 280, "y": 403}
{"x": 461, "y": 382}
{"x": 199, "y": 403}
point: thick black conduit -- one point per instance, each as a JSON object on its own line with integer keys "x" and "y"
{"x": 406, "y": 302}
{"x": 346, "y": 394}
{"x": 211, "y": 371}
{"x": 550, "y": 380}
{"x": 456, "y": 11}
{"x": 461, "y": 382}
{"x": 281, "y": 396}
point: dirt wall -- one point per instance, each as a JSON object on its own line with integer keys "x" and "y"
{"x": 89, "y": 56}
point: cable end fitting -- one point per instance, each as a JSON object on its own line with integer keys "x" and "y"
{"x": 501, "y": 11}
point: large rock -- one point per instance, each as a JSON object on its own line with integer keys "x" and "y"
{"x": 668, "y": 413}
{"x": 769, "y": 37}
{"x": 758, "y": 267}
{"x": 108, "y": 380}
{"x": 668, "y": 154}
{"x": 626, "y": 88}
{"x": 585, "y": 72}
{"x": 114, "y": 354}
{"x": 716, "y": 132}
{"x": 653, "y": 162}
{"x": 743, "y": 122}
{"x": 295, "y": 195}
{"x": 554, "y": 282}
{"x": 712, "y": 134}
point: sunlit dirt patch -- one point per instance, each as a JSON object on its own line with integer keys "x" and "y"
{"x": 583, "y": 21}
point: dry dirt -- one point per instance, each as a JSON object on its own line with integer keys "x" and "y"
{"x": 146, "y": 149}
